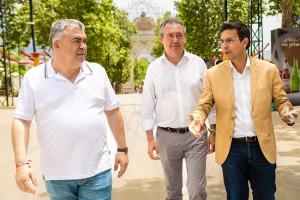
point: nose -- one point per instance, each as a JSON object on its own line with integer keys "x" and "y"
{"x": 83, "y": 45}
{"x": 175, "y": 39}
{"x": 224, "y": 45}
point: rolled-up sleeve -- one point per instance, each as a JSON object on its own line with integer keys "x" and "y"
{"x": 148, "y": 102}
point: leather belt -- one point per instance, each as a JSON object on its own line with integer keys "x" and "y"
{"x": 246, "y": 139}
{"x": 176, "y": 130}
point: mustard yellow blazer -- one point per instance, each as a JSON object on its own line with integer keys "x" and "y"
{"x": 266, "y": 86}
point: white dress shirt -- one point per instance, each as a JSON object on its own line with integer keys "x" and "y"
{"x": 244, "y": 125}
{"x": 171, "y": 92}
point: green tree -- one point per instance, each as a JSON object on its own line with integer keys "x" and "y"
{"x": 14, "y": 35}
{"x": 290, "y": 10}
{"x": 107, "y": 29}
{"x": 17, "y": 33}
{"x": 140, "y": 68}
{"x": 202, "y": 19}
{"x": 158, "y": 48}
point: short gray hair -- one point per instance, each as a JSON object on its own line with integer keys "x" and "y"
{"x": 171, "y": 21}
{"x": 59, "y": 26}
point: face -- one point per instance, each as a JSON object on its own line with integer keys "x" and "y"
{"x": 233, "y": 47}
{"x": 72, "y": 46}
{"x": 173, "y": 39}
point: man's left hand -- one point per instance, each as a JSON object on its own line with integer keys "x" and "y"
{"x": 121, "y": 159}
{"x": 289, "y": 117}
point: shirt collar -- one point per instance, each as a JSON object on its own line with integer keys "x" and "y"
{"x": 86, "y": 69}
{"x": 186, "y": 56}
{"x": 247, "y": 66}
{"x": 51, "y": 73}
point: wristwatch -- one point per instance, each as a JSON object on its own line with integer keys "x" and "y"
{"x": 211, "y": 130}
{"x": 125, "y": 150}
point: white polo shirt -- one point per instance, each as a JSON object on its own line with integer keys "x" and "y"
{"x": 70, "y": 119}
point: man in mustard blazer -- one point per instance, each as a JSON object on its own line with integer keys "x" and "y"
{"x": 242, "y": 89}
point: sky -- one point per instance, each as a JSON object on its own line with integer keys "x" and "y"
{"x": 161, "y": 6}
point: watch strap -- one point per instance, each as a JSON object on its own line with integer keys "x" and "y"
{"x": 125, "y": 150}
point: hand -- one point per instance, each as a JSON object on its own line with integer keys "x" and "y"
{"x": 196, "y": 128}
{"x": 211, "y": 143}
{"x": 153, "y": 150}
{"x": 289, "y": 117}
{"x": 25, "y": 179}
{"x": 121, "y": 159}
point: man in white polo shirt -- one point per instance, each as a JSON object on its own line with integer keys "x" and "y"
{"x": 68, "y": 97}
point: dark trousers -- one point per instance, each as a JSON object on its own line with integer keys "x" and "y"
{"x": 244, "y": 163}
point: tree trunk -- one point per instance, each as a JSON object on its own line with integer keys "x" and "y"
{"x": 286, "y": 7}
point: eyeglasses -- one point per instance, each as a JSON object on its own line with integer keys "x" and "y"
{"x": 228, "y": 41}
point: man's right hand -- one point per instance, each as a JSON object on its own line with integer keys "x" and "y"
{"x": 26, "y": 179}
{"x": 195, "y": 127}
{"x": 153, "y": 150}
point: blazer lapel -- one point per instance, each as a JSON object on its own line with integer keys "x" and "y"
{"x": 253, "y": 79}
{"x": 228, "y": 76}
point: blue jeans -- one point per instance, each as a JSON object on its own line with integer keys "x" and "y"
{"x": 98, "y": 187}
{"x": 244, "y": 163}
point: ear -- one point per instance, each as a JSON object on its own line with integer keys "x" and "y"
{"x": 161, "y": 38}
{"x": 245, "y": 42}
{"x": 56, "y": 44}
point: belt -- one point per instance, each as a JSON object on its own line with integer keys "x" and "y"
{"x": 246, "y": 139}
{"x": 176, "y": 130}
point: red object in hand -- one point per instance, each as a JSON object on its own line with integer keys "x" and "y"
{"x": 24, "y": 163}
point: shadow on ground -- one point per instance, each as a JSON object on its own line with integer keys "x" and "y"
{"x": 288, "y": 180}
{"x": 215, "y": 191}
{"x": 140, "y": 189}
{"x": 153, "y": 189}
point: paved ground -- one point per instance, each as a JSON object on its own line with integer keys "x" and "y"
{"x": 144, "y": 179}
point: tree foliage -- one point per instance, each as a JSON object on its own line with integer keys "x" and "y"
{"x": 290, "y": 10}
{"x": 107, "y": 29}
{"x": 140, "y": 68}
{"x": 202, "y": 19}
{"x": 17, "y": 33}
{"x": 158, "y": 48}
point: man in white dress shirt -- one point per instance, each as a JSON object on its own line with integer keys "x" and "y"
{"x": 171, "y": 90}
